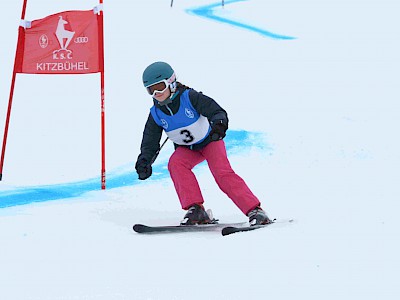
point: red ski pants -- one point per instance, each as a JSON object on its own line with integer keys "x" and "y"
{"x": 183, "y": 160}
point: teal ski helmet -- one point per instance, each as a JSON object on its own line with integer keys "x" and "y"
{"x": 157, "y": 72}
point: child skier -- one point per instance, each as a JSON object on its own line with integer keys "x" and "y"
{"x": 197, "y": 125}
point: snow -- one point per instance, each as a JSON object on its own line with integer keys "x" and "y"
{"x": 319, "y": 114}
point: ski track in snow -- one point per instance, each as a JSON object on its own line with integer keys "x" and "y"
{"x": 236, "y": 141}
{"x": 208, "y": 11}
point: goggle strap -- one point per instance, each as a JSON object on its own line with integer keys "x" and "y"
{"x": 172, "y": 78}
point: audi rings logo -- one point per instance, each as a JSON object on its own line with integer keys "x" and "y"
{"x": 81, "y": 40}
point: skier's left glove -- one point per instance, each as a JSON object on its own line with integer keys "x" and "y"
{"x": 143, "y": 168}
{"x": 218, "y": 130}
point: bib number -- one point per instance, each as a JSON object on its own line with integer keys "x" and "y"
{"x": 188, "y": 137}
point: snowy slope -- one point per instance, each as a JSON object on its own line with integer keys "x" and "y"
{"x": 323, "y": 107}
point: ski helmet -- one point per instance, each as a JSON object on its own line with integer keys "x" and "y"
{"x": 157, "y": 72}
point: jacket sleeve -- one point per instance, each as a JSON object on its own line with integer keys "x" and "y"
{"x": 151, "y": 139}
{"x": 208, "y": 107}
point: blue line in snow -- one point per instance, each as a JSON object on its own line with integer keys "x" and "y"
{"x": 236, "y": 142}
{"x": 208, "y": 12}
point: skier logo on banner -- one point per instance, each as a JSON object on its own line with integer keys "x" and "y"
{"x": 63, "y": 34}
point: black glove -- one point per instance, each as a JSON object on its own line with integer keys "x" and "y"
{"x": 218, "y": 130}
{"x": 143, "y": 168}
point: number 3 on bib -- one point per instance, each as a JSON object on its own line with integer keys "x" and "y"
{"x": 188, "y": 137}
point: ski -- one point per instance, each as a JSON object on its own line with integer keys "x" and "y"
{"x": 234, "y": 229}
{"x": 146, "y": 229}
{"x": 224, "y": 228}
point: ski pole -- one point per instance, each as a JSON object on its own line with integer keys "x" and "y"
{"x": 158, "y": 152}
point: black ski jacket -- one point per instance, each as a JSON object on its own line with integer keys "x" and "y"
{"x": 203, "y": 104}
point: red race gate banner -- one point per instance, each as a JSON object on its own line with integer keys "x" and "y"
{"x": 69, "y": 42}
{"x": 63, "y": 43}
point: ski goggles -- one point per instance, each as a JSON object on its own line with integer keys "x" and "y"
{"x": 160, "y": 86}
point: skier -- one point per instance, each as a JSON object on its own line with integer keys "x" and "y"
{"x": 197, "y": 125}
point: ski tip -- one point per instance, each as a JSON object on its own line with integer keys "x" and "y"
{"x": 228, "y": 230}
{"x": 139, "y": 228}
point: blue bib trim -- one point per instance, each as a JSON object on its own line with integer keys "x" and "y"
{"x": 187, "y": 126}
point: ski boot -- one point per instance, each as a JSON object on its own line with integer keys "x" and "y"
{"x": 258, "y": 217}
{"x": 196, "y": 214}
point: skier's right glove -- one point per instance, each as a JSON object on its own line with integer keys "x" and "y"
{"x": 143, "y": 168}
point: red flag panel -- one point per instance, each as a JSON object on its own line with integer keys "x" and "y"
{"x": 63, "y": 43}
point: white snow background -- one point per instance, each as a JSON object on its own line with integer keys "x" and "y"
{"x": 323, "y": 109}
